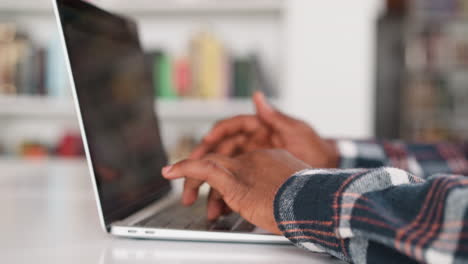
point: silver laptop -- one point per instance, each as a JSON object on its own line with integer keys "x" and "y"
{"x": 114, "y": 97}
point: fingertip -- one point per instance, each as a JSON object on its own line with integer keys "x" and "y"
{"x": 189, "y": 198}
{"x": 262, "y": 104}
{"x": 258, "y": 95}
{"x": 196, "y": 154}
{"x": 258, "y": 98}
{"x": 166, "y": 171}
{"x": 210, "y": 137}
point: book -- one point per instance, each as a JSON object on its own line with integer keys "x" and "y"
{"x": 152, "y": 63}
{"x": 8, "y": 58}
{"x": 28, "y": 79}
{"x": 208, "y": 72}
{"x": 23, "y": 64}
{"x": 57, "y": 83}
{"x": 182, "y": 77}
{"x": 165, "y": 86}
{"x": 260, "y": 80}
{"x": 208, "y": 63}
{"x": 242, "y": 78}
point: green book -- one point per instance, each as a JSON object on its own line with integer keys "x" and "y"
{"x": 242, "y": 78}
{"x": 162, "y": 72}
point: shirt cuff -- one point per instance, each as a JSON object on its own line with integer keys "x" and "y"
{"x": 360, "y": 154}
{"x": 303, "y": 209}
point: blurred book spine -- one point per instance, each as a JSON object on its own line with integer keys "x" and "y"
{"x": 26, "y": 68}
{"x": 56, "y": 70}
{"x": 208, "y": 71}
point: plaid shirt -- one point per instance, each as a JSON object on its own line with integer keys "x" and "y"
{"x": 405, "y": 204}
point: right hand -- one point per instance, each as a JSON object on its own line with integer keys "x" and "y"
{"x": 247, "y": 183}
{"x": 268, "y": 129}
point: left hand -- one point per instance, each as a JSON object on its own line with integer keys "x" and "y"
{"x": 268, "y": 129}
{"x": 247, "y": 183}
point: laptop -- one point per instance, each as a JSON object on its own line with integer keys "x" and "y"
{"x": 114, "y": 97}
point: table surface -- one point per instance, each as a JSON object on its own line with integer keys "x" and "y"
{"x": 49, "y": 216}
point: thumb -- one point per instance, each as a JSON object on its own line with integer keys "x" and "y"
{"x": 270, "y": 116}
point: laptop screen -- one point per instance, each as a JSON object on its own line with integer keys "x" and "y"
{"x": 115, "y": 94}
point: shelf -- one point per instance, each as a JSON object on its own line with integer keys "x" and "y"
{"x": 202, "y": 110}
{"x": 19, "y": 167}
{"x": 142, "y": 7}
{"x": 149, "y": 7}
{"x": 168, "y": 110}
{"x": 26, "y": 6}
{"x": 36, "y": 107}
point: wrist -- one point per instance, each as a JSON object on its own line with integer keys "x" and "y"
{"x": 333, "y": 159}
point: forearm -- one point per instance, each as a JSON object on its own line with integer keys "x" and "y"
{"x": 374, "y": 215}
{"x": 420, "y": 159}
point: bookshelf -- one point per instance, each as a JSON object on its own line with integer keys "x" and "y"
{"x": 164, "y": 25}
{"x": 292, "y": 38}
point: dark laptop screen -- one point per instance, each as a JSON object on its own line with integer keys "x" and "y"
{"x": 116, "y": 98}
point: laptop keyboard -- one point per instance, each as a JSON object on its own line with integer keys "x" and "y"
{"x": 178, "y": 216}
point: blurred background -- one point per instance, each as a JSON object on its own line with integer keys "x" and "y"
{"x": 389, "y": 69}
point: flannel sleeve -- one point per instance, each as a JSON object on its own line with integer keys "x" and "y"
{"x": 422, "y": 160}
{"x": 382, "y": 215}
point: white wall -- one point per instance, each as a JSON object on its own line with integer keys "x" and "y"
{"x": 330, "y": 65}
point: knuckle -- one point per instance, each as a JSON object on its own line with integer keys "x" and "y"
{"x": 261, "y": 152}
{"x": 210, "y": 164}
{"x": 235, "y": 197}
{"x": 191, "y": 184}
{"x": 210, "y": 157}
{"x": 303, "y": 125}
{"x": 277, "y": 151}
{"x": 219, "y": 123}
{"x": 179, "y": 165}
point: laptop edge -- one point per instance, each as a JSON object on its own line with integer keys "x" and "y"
{"x": 124, "y": 228}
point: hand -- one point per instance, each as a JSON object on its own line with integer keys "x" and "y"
{"x": 269, "y": 128}
{"x": 247, "y": 183}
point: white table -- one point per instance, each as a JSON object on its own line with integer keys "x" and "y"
{"x": 48, "y": 215}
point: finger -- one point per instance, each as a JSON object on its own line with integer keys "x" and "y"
{"x": 190, "y": 192}
{"x": 277, "y": 141}
{"x": 225, "y": 128}
{"x": 200, "y": 151}
{"x": 216, "y": 205}
{"x": 229, "y": 146}
{"x": 213, "y": 171}
{"x": 260, "y": 139}
{"x": 272, "y": 117}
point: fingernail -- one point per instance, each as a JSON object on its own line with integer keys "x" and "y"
{"x": 267, "y": 104}
{"x": 167, "y": 169}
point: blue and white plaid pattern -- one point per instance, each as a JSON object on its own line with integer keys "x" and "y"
{"x": 420, "y": 159}
{"x": 381, "y": 214}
